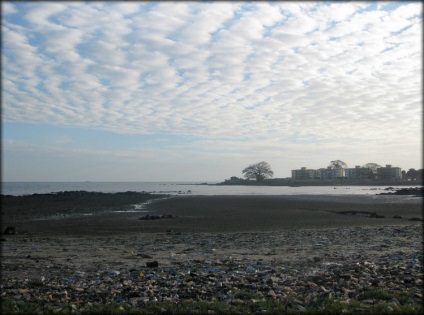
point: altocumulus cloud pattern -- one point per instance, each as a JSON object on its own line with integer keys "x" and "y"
{"x": 248, "y": 73}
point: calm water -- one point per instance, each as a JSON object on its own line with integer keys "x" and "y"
{"x": 25, "y": 188}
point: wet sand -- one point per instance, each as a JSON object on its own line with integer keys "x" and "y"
{"x": 227, "y": 214}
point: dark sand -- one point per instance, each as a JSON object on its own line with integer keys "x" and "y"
{"x": 281, "y": 248}
{"x": 234, "y": 214}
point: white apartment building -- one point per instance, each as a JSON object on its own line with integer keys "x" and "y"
{"x": 389, "y": 172}
{"x": 304, "y": 173}
{"x": 358, "y": 172}
{"x": 322, "y": 173}
{"x": 329, "y": 173}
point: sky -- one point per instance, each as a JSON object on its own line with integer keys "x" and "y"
{"x": 195, "y": 91}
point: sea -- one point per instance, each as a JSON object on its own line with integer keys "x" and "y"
{"x": 183, "y": 188}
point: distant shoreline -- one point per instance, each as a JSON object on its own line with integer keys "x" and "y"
{"x": 311, "y": 182}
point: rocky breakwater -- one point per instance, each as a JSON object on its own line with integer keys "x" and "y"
{"x": 411, "y": 191}
{"x": 156, "y": 217}
{"x": 68, "y": 203}
{"x": 353, "y": 270}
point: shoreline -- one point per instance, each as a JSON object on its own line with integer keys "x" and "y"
{"x": 196, "y": 213}
{"x": 312, "y": 182}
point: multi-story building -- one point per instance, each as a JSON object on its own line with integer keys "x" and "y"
{"x": 389, "y": 172}
{"x": 322, "y": 173}
{"x": 329, "y": 173}
{"x": 304, "y": 173}
{"x": 358, "y": 172}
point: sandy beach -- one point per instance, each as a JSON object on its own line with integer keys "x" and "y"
{"x": 208, "y": 248}
{"x": 213, "y": 214}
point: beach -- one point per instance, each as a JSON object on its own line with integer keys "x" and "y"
{"x": 106, "y": 214}
{"x": 293, "y": 250}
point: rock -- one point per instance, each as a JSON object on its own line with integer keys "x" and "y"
{"x": 150, "y": 217}
{"x": 144, "y": 255}
{"x": 197, "y": 274}
{"x": 152, "y": 264}
{"x": 156, "y": 217}
{"x": 395, "y": 301}
{"x": 10, "y": 230}
{"x": 167, "y": 216}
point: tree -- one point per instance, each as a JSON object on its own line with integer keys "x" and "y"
{"x": 373, "y": 167}
{"x": 336, "y": 164}
{"x": 258, "y": 171}
{"x": 412, "y": 174}
{"x": 420, "y": 174}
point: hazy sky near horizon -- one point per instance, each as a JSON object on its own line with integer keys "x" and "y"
{"x": 191, "y": 91}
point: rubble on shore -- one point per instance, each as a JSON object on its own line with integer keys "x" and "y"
{"x": 298, "y": 268}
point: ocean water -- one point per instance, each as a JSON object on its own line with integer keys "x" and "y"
{"x": 174, "y": 188}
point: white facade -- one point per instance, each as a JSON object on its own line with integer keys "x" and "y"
{"x": 330, "y": 173}
{"x": 389, "y": 172}
{"x": 304, "y": 173}
{"x": 358, "y": 172}
{"x": 322, "y": 173}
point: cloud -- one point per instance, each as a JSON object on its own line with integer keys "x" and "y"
{"x": 40, "y": 16}
{"x": 8, "y": 8}
{"x": 334, "y": 73}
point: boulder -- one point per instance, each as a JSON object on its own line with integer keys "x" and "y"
{"x": 156, "y": 217}
{"x": 10, "y": 230}
{"x": 152, "y": 264}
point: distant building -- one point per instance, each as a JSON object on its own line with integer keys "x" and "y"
{"x": 358, "y": 172}
{"x": 389, "y": 172}
{"x": 322, "y": 173}
{"x": 329, "y": 173}
{"x": 303, "y": 173}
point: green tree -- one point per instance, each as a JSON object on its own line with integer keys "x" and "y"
{"x": 336, "y": 164}
{"x": 258, "y": 171}
{"x": 412, "y": 174}
{"x": 373, "y": 167}
{"x": 420, "y": 174}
